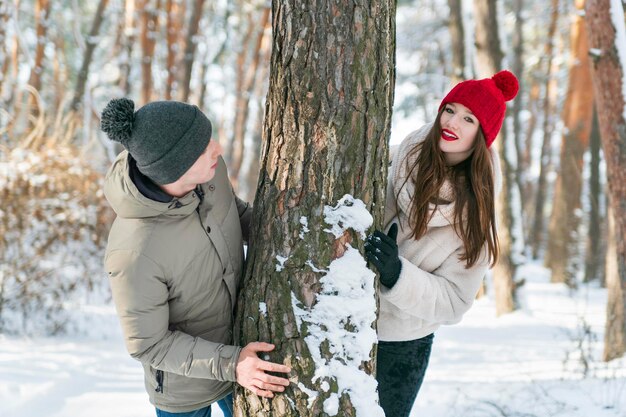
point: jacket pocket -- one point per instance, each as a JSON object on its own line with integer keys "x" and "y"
{"x": 156, "y": 379}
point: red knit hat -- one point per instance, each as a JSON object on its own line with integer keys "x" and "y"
{"x": 485, "y": 98}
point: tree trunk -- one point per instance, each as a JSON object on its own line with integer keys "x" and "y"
{"x": 90, "y": 46}
{"x": 528, "y": 191}
{"x": 149, "y": 25}
{"x": 128, "y": 43}
{"x": 595, "y": 251}
{"x": 518, "y": 69}
{"x": 174, "y": 22}
{"x": 607, "y": 35}
{"x": 4, "y": 56}
{"x": 242, "y": 107}
{"x": 190, "y": 48}
{"x": 614, "y": 337}
{"x": 549, "y": 100}
{"x": 326, "y": 132}
{"x": 42, "y": 12}
{"x": 252, "y": 176}
{"x": 457, "y": 39}
{"x": 216, "y": 58}
{"x": 489, "y": 59}
{"x": 563, "y": 252}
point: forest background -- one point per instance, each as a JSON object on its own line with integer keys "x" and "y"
{"x": 61, "y": 61}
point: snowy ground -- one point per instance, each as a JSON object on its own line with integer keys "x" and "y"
{"x": 529, "y": 363}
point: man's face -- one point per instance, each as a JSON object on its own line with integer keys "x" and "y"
{"x": 203, "y": 169}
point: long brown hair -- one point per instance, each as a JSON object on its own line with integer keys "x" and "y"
{"x": 474, "y": 193}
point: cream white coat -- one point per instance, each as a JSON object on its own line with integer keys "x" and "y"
{"x": 434, "y": 287}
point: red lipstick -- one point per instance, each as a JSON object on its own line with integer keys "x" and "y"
{"x": 447, "y": 135}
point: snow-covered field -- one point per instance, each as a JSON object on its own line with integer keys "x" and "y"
{"x": 529, "y": 363}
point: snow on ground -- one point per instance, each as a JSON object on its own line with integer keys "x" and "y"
{"x": 525, "y": 364}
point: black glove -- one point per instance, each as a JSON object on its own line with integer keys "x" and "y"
{"x": 382, "y": 251}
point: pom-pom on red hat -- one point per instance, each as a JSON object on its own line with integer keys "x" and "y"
{"x": 486, "y": 99}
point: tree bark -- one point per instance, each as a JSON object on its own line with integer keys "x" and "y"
{"x": 606, "y": 29}
{"x": 128, "y": 43}
{"x": 595, "y": 251}
{"x": 549, "y": 100}
{"x": 457, "y": 39}
{"x": 190, "y": 48}
{"x": 4, "y": 56}
{"x": 326, "y": 132}
{"x": 614, "y": 339}
{"x": 88, "y": 55}
{"x": 175, "y": 16}
{"x": 149, "y": 25}
{"x": 252, "y": 176}
{"x": 42, "y": 12}
{"x": 518, "y": 69}
{"x": 563, "y": 239}
{"x": 489, "y": 59}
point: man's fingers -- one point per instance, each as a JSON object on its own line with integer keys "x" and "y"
{"x": 260, "y": 347}
{"x": 267, "y": 386}
{"x": 274, "y": 367}
{"x": 271, "y": 379}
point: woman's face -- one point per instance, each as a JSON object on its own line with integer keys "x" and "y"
{"x": 459, "y": 128}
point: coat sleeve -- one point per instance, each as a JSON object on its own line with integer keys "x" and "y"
{"x": 245, "y": 216}
{"x": 140, "y": 295}
{"x": 441, "y": 296}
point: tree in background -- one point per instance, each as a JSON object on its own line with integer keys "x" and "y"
{"x": 327, "y": 122}
{"x": 549, "y": 103}
{"x": 489, "y": 62}
{"x": 607, "y": 40}
{"x": 563, "y": 253}
{"x": 595, "y": 250}
{"x": 457, "y": 39}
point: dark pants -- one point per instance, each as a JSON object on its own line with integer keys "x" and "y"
{"x": 400, "y": 370}
{"x": 226, "y": 405}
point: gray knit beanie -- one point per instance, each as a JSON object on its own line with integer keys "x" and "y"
{"x": 164, "y": 137}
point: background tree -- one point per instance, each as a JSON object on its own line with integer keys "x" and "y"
{"x": 595, "y": 250}
{"x": 247, "y": 73}
{"x": 489, "y": 62}
{"x": 549, "y": 103}
{"x": 607, "y": 37}
{"x": 190, "y": 48}
{"x": 457, "y": 39}
{"x": 149, "y": 10}
{"x": 326, "y": 128}
{"x": 563, "y": 250}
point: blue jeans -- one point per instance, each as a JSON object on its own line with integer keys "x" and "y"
{"x": 226, "y": 405}
{"x": 400, "y": 370}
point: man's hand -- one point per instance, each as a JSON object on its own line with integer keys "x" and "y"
{"x": 251, "y": 371}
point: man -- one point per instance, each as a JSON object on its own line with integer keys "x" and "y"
{"x": 174, "y": 259}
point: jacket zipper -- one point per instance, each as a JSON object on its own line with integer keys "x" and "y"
{"x": 159, "y": 379}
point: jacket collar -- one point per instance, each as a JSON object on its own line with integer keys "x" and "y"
{"x": 128, "y": 202}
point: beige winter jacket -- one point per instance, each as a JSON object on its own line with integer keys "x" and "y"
{"x": 434, "y": 287}
{"x": 174, "y": 270}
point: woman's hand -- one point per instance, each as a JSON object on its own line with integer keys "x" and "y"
{"x": 382, "y": 251}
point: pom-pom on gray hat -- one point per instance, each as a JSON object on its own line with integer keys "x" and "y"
{"x": 164, "y": 137}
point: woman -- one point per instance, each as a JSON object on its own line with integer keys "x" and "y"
{"x": 441, "y": 192}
